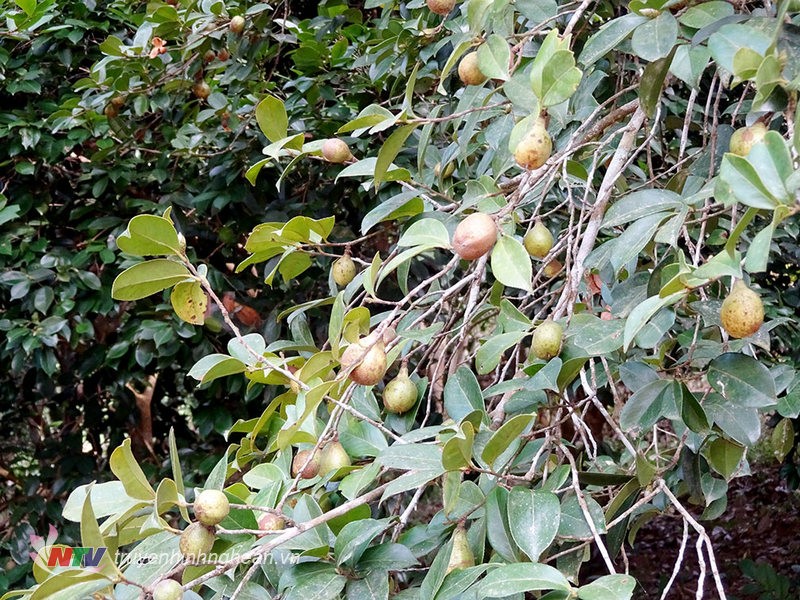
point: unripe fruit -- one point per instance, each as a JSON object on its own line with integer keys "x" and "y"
{"x": 441, "y": 7}
{"x": 475, "y": 236}
{"x": 547, "y": 340}
{"x": 461, "y": 556}
{"x": 742, "y": 312}
{"x": 743, "y": 139}
{"x": 469, "y": 72}
{"x": 552, "y": 268}
{"x": 538, "y": 241}
{"x": 167, "y": 589}
{"x": 343, "y": 270}
{"x": 271, "y": 522}
{"x": 448, "y": 170}
{"x": 336, "y": 151}
{"x": 400, "y": 394}
{"x": 535, "y": 148}
{"x": 334, "y": 457}
{"x": 201, "y": 89}
{"x": 370, "y": 365}
{"x": 196, "y": 541}
{"x": 211, "y": 507}
{"x": 236, "y": 24}
{"x": 311, "y": 469}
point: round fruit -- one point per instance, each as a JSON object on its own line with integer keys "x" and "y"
{"x": 201, "y": 89}
{"x": 389, "y": 335}
{"x": 271, "y": 522}
{"x": 310, "y": 470}
{"x": 400, "y": 394}
{"x": 743, "y": 139}
{"x": 211, "y": 507}
{"x": 196, "y": 541}
{"x": 535, "y": 148}
{"x": 334, "y": 457}
{"x": 547, "y": 340}
{"x": 475, "y": 236}
{"x": 367, "y": 358}
{"x": 343, "y": 270}
{"x": 223, "y": 54}
{"x": 118, "y": 101}
{"x": 552, "y": 268}
{"x": 469, "y": 72}
{"x": 236, "y": 24}
{"x": 441, "y": 7}
{"x": 167, "y": 589}
{"x": 336, "y": 151}
{"x": 742, "y": 312}
{"x": 448, "y": 170}
{"x": 461, "y": 556}
{"x": 111, "y": 111}
{"x": 538, "y": 241}
{"x": 209, "y": 56}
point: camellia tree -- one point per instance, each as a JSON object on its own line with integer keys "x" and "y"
{"x": 560, "y": 339}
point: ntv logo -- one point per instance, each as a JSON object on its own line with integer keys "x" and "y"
{"x": 64, "y": 556}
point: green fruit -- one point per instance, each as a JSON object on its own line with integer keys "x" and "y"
{"x": 336, "y": 151}
{"x": 367, "y": 358}
{"x": 475, "y": 236}
{"x": 343, "y": 270}
{"x": 743, "y": 139}
{"x": 547, "y": 340}
{"x": 167, "y": 589}
{"x": 196, "y": 541}
{"x": 538, "y": 241}
{"x": 742, "y": 312}
{"x": 400, "y": 394}
{"x": 334, "y": 457}
{"x": 201, "y": 89}
{"x": 441, "y": 7}
{"x": 310, "y": 470}
{"x": 271, "y": 522}
{"x": 461, "y": 556}
{"x": 211, "y": 507}
{"x": 236, "y": 24}
{"x": 469, "y": 72}
{"x": 535, "y": 148}
{"x": 448, "y": 170}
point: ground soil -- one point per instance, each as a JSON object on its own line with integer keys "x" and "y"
{"x": 761, "y": 523}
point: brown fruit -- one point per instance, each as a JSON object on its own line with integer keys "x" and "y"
{"x": 167, "y": 589}
{"x": 441, "y": 7}
{"x": 209, "y": 56}
{"x": 448, "y": 170}
{"x": 535, "y": 148}
{"x": 196, "y": 541}
{"x": 743, "y": 139}
{"x": 461, "y": 556}
{"x": 271, "y": 522}
{"x": 343, "y": 270}
{"x": 223, "y": 54}
{"x": 310, "y": 470}
{"x": 475, "y": 236}
{"x": 201, "y": 89}
{"x": 538, "y": 241}
{"x": 552, "y": 268}
{"x": 367, "y": 360}
{"x": 400, "y": 394}
{"x": 334, "y": 457}
{"x": 236, "y": 25}
{"x": 111, "y": 111}
{"x": 469, "y": 72}
{"x": 336, "y": 151}
{"x": 211, "y": 507}
{"x": 547, "y": 340}
{"x": 742, "y": 312}
{"x": 118, "y": 101}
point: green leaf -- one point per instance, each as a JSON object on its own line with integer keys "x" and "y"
{"x": 29, "y": 6}
{"x": 737, "y": 422}
{"x": 521, "y": 577}
{"x": 502, "y": 439}
{"x": 127, "y": 470}
{"x": 149, "y": 235}
{"x": 389, "y": 151}
{"x": 511, "y": 264}
{"x": 366, "y": 168}
{"x": 608, "y": 587}
{"x": 742, "y": 380}
{"x": 494, "y": 57}
{"x": 647, "y": 405}
{"x": 457, "y": 451}
{"x": 656, "y": 38}
{"x": 354, "y": 538}
{"x": 782, "y": 439}
{"x": 215, "y": 366}
{"x": 636, "y": 205}
{"x": 595, "y": 336}
{"x": 462, "y": 394}
{"x": 725, "y": 42}
{"x": 724, "y": 456}
{"x": 573, "y": 522}
{"x": 643, "y": 312}
{"x": 692, "y": 413}
{"x": 609, "y": 37}
{"x": 272, "y": 118}
{"x": 533, "y": 517}
{"x": 491, "y": 351}
{"x": 426, "y": 232}
{"x": 758, "y": 251}
{"x": 149, "y": 277}
{"x": 652, "y": 81}
{"x": 497, "y": 524}
{"x": 706, "y": 14}
{"x": 189, "y": 302}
